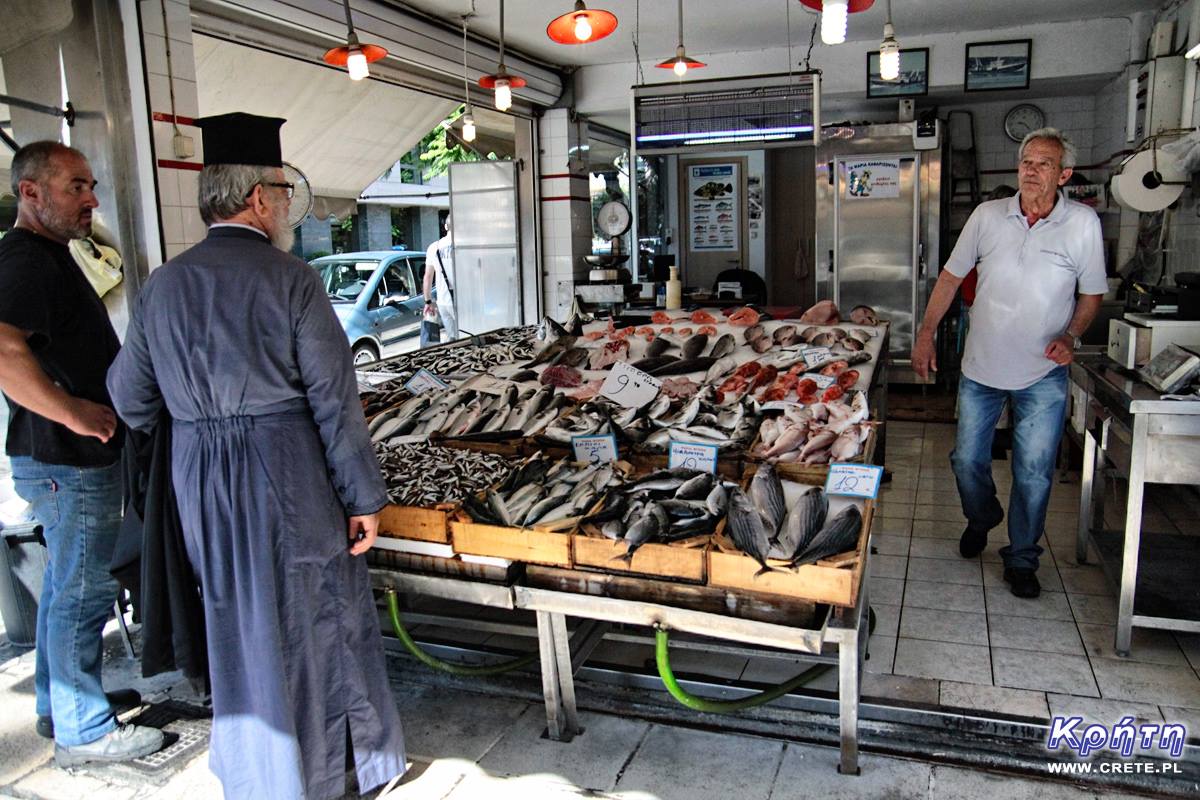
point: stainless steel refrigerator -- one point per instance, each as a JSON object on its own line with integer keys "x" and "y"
{"x": 878, "y": 204}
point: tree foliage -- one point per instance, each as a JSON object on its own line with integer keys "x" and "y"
{"x": 438, "y": 150}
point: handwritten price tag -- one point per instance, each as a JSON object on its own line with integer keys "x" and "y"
{"x": 700, "y": 457}
{"x": 595, "y": 449}
{"x": 854, "y": 480}
{"x": 630, "y": 387}
{"x": 815, "y": 355}
{"x": 424, "y": 381}
{"x": 822, "y": 381}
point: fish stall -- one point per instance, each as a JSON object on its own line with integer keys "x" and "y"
{"x": 677, "y": 475}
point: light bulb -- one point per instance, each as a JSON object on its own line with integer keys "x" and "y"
{"x": 583, "y": 28}
{"x": 889, "y": 63}
{"x": 834, "y": 14}
{"x": 503, "y": 95}
{"x": 468, "y": 127}
{"x": 356, "y": 65}
{"x": 680, "y": 68}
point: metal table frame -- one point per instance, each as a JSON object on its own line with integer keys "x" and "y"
{"x": 1151, "y": 441}
{"x": 844, "y": 631}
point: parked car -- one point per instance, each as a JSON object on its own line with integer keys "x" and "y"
{"x": 376, "y": 295}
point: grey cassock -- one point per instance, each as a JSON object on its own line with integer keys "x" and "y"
{"x": 270, "y": 454}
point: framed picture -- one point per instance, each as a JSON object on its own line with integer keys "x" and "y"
{"x": 991, "y": 66}
{"x": 914, "y": 75}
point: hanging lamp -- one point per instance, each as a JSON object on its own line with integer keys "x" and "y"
{"x": 681, "y": 63}
{"x": 889, "y": 50}
{"x": 834, "y": 14}
{"x": 500, "y": 81}
{"x": 353, "y": 56}
{"x": 468, "y": 121}
{"x": 582, "y": 25}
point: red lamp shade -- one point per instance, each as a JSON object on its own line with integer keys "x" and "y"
{"x": 338, "y": 55}
{"x": 855, "y": 5}
{"x": 489, "y": 81}
{"x": 565, "y": 29}
{"x": 686, "y": 60}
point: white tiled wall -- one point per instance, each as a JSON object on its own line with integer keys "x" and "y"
{"x": 566, "y": 223}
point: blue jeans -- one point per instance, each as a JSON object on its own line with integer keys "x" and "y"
{"x": 1038, "y": 413}
{"x": 79, "y": 509}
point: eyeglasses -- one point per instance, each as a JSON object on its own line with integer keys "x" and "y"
{"x": 290, "y": 188}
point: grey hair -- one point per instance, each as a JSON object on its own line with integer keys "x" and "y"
{"x": 224, "y": 187}
{"x": 32, "y": 162}
{"x": 1069, "y": 153}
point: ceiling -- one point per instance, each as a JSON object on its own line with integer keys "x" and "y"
{"x": 714, "y": 26}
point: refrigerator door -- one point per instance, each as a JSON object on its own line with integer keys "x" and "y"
{"x": 876, "y": 240}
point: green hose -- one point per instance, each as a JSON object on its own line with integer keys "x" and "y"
{"x": 723, "y": 706}
{"x": 463, "y": 670}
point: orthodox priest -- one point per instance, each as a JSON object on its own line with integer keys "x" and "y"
{"x": 277, "y": 484}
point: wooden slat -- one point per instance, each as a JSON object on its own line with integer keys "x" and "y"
{"x": 515, "y": 544}
{"x": 411, "y": 522}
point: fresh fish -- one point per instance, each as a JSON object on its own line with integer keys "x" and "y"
{"x": 551, "y": 350}
{"x": 723, "y": 346}
{"x": 659, "y": 406}
{"x": 810, "y": 333}
{"x": 651, "y": 363}
{"x": 717, "y": 500}
{"x": 499, "y": 508}
{"x": 762, "y": 344}
{"x": 823, "y": 339}
{"x": 721, "y": 367}
{"x": 653, "y": 522}
{"x": 766, "y": 490}
{"x": 785, "y": 335}
{"x": 685, "y": 365}
{"x": 523, "y": 376}
{"x": 425, "y": 475}
{"x": 696, "y": 488}
{"x": 802, "y": 523}
{"x": 837, "y": 536}
{"x": 573, "y": 357}
{"x": 754, "y": 332}
{"x": 746, "y": 528}
{"x": 659, "y": 346}
{"x": 694, "y": 345}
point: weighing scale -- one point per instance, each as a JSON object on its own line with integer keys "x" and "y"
{"x": 608, "y": 284}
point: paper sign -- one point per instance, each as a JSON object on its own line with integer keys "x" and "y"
{"x": 424, "y": 381}
{"x": 595, "y": 449}
{"x": 700, "y": 457}
{"x": 822, "y": 381}
{"x": 629, "y": 386}
{"x": 872, "y": 179}
{"x": 732, "y": 287}
{"x": 854, "y": 480}
{"x": 815, "y": 355}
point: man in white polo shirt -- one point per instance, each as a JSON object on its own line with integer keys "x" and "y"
{"x": 1041, "y": 279}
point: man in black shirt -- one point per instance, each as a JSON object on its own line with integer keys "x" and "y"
{"x": 56, "y": 344}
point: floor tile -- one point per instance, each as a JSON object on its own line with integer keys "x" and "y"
{"x": 1020, "y": 702}
{"x": 1040, "y": 635}
{"x": 882, "y": 652}
{"x": 685, "y": 661}
{"x": 993, "y": 576}
{"x": 945, "y": 571}
{"x": 892, "y": 527}
{"x": 809, "y": 772}
{"x": 771, "y": 671}
{"x": 905, "y": 688}
{"x": 935, "y": 497}
{"x": 886, "y": 590}
{"x": 955, "y": 783}
{"x": 1189, "y": 643}
{"x": 1147, "y": 683}
{"x": 685, "y": 764}
{"x": 889, "y": 566}
{"x": 1086, "y": 580}
{"x": 1187, "y": 716}
{"x": 924, "y": 547}
{"x": 1095, "y": 710}
{"x": 623, "y": 654}
{"x": 894, "y": 510}
{"x": 1148, "y": 647}
{"x": 1044, "y": 672}
{"x": 949, "y": 514}
{"x": 948, "y": 597}
{"x": 888, "y": 544}
{"x": 944, "y": 626}
{"x": 937, "y": 529}
{"x": 430, "y": 733}
{"x": 593, "y": 761}
{"x": 887, "y": 619}
{"x": 1049, "y": 605}
{"x": 943, "y": 661}
{"x": 1094, "y": 609}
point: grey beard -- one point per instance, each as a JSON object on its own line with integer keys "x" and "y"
{"x": 283, "y": 237}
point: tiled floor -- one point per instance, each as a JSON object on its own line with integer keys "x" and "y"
{"x": 950, "y": 624}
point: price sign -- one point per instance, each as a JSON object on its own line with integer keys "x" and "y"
{"x": 630, "y": 387}
{"x": 424, "y": 381}
{"x": 816, "y": 355}
{"x": 822, "y": 381}
{"x": 595, "y": 449}
{"x": 854, "y": 480}
{"x": 700, "y": 457}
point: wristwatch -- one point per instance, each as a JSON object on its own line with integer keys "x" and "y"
{"x": 1076, "y": 342}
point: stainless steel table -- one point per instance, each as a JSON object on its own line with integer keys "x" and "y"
{"x": 1147, "y": 439}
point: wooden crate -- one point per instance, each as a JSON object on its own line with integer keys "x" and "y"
{"x": 412, "y": 522}
{"x": 834, "y": 580}
{"x": 536, "y": 545}
{"x": 685, "y": 560}
{"x": 815, "y": 473}
{"x": 728, "y": 465}
{"x": 510, "y": 448}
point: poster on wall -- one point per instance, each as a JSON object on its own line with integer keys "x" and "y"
{"x": 754, "y": 203}
{"x": 714, "y": 206}
{"x": 873, "y": 179}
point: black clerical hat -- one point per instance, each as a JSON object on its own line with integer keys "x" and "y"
{"x": 240, "y": 138}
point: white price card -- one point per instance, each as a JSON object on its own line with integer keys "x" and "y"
{"x": 700, "y": 457}
{"x": 822, "y": 381}
{"x": 595, "y": 449}
{"x": 424, "y": 381}
{"x": 815, "y": 355}
{"x": 733, "y": 287}
{"x": 629, "y": 386}
{"x": 854, "y": 480}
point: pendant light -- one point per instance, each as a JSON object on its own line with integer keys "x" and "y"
{"x": 468, "y": 121}
{"x": 681, "y": 62}
{"x": 353, "y": 56}
{"x": 582, "y": 25}
{"x": 889, "y": 50}
{"x": 500, "y": 80}
{"x": 834, "y": 15}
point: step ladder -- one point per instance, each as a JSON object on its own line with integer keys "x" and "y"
{"x": 965, "y": 193}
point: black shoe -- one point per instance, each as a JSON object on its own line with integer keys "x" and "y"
{"x": 1022, "y": 582}
{"x": 121, "y": 701}
{"x": 972, "y": 542}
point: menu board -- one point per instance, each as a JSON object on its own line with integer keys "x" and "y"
{"x": 714, "y": 208}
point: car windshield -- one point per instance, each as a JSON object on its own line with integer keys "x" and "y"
{"x": 345, "y": 280}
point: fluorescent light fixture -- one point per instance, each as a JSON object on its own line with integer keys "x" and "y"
{"x": 754, "y": 133}
{"x": 735, "y": 139}
{"x": 503, "y": 95}
{"x": 1193, "y": 53}
{"x": 834, "y": 15}
{"x": 356, "y": 65}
